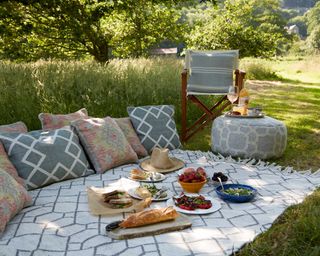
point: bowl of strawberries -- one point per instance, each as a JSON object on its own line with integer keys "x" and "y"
{"x": 192, "y": 179}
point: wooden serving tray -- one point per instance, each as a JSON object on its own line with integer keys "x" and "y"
{"x": 182, "y": 222}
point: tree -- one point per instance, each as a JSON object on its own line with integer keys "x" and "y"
{"x": 313, "y": 17}
{"x": 74, "y": 28}
{"x": 313, "y": 40}
{"x": 255, "y": 27}
{"x": 142, "y": 26}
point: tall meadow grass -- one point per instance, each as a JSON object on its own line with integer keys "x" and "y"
{"x": 63, "y": 87}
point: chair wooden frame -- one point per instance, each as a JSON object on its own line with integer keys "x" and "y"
{"x": 209, "y": 113}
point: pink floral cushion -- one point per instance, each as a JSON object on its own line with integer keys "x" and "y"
{"x": 15, "y": 127}
{"x": 5, "y": 163}
{"x": 57, "y": 121}
{"x": 13, "y": 197}
{"x": 104, "y": 142}
{"x": 130, "y": 134}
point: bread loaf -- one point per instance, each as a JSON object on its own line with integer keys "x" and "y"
{"x": 149, "y": 217}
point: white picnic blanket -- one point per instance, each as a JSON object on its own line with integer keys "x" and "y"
{"x": 59, "y": 222}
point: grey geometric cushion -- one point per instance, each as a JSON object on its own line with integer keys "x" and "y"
{"x": 155, "y": 126}
{"x": 42, "y": 158}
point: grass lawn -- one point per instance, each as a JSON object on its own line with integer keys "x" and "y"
{"x": 296, "y": 101}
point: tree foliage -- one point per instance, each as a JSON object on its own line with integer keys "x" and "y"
{"x": 313, "y": 17}
{"x": 73, "y": 28}
{"x": 255, "y": 27}
{"x": 142, "y": 26}
{"x": 313, "y": 27}
{"x": 313, "y": 40}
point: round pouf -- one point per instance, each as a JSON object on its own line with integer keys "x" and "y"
{"x": 259, "y": 138}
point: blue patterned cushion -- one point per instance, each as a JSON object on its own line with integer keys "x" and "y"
{"x": 155, "y": 126}
{"x": 42, "y": 158}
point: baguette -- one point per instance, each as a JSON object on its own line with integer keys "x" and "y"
{"x": 149, "y": 217}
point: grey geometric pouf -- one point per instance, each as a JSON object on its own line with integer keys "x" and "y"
{"x": 259, "y": 138}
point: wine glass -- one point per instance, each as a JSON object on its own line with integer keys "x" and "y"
{"x": 233, "y": 94}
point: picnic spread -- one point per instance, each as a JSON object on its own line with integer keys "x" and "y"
{"x": 61, "y": 221}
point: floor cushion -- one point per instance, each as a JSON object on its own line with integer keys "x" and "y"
{"x": 104, "y": 142}
{"x": 56, "y": 121}
{"x": 260, "y": 138}
{"x": 13, "y": 197}
{"x": 42, "y": 157}
{"x": 155, "y": 126}
{"x": 131, "y": 136}
{"x": 5, "y": 163}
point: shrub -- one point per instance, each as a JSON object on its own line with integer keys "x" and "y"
{"x": 259, "y": 70}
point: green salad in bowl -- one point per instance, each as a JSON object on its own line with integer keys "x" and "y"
{"x": 238, "y": 191}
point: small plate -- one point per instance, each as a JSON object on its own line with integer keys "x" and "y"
{"x": 228, "y": 114}
{"x": 150, "y": 180}
{"x": 216, "y": 205}
{"x": 132, "y": 193}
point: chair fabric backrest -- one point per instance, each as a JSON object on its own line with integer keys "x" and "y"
{"x": 210, "y": 72}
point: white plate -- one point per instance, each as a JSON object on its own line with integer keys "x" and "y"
{"x": 132, "y": 193}
{"x": 163, "y": 177}
{"x": 216, "y": 205}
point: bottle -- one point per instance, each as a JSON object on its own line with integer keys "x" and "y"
{"x": 244, "y": 100}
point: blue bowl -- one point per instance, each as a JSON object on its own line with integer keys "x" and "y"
{"x": 233, "y": 198}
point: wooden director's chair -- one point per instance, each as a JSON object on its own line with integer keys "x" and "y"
{"x": 208, "y": 73}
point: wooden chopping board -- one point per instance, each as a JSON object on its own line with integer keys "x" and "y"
{"x": 182, "y": 222}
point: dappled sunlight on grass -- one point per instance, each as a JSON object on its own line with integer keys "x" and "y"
{"x": 298, "y": 107}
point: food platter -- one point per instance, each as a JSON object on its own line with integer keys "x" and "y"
{"x": 216, "y": 205}
{"x": 150, "y": 178}
{"x": 132, "y": 193}
{"x": 260, "y": 115}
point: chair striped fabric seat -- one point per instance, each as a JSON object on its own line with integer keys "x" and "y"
{"x": 210, "y": 72}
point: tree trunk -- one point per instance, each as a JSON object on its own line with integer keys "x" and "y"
{"x": 101, "y": 53}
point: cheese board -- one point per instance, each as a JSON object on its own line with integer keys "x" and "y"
{"x": 180, "y": 223}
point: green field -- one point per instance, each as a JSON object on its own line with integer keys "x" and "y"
{"x": 290, "y": 92}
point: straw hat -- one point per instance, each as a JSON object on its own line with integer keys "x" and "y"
{"x": 161, "y": 162}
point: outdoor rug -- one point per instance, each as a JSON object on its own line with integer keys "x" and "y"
{"x": 59, "y": 222}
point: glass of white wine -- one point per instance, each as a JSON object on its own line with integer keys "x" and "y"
{"x": 233, "y": 94}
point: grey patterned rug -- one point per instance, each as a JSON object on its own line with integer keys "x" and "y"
{"x": 59, "y": 222}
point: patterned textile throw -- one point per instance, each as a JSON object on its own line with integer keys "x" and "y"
{"x": 59, "y": 221}
{"x": 155, "y": 126}
{"x": 130, "y": 134}
{"x": 104, "y": 143}
{"x": 52, "y": 121}
{"x": 42, "y": 158}
{"x": 5, "y": 163}
{"x": 13, "y": 197}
